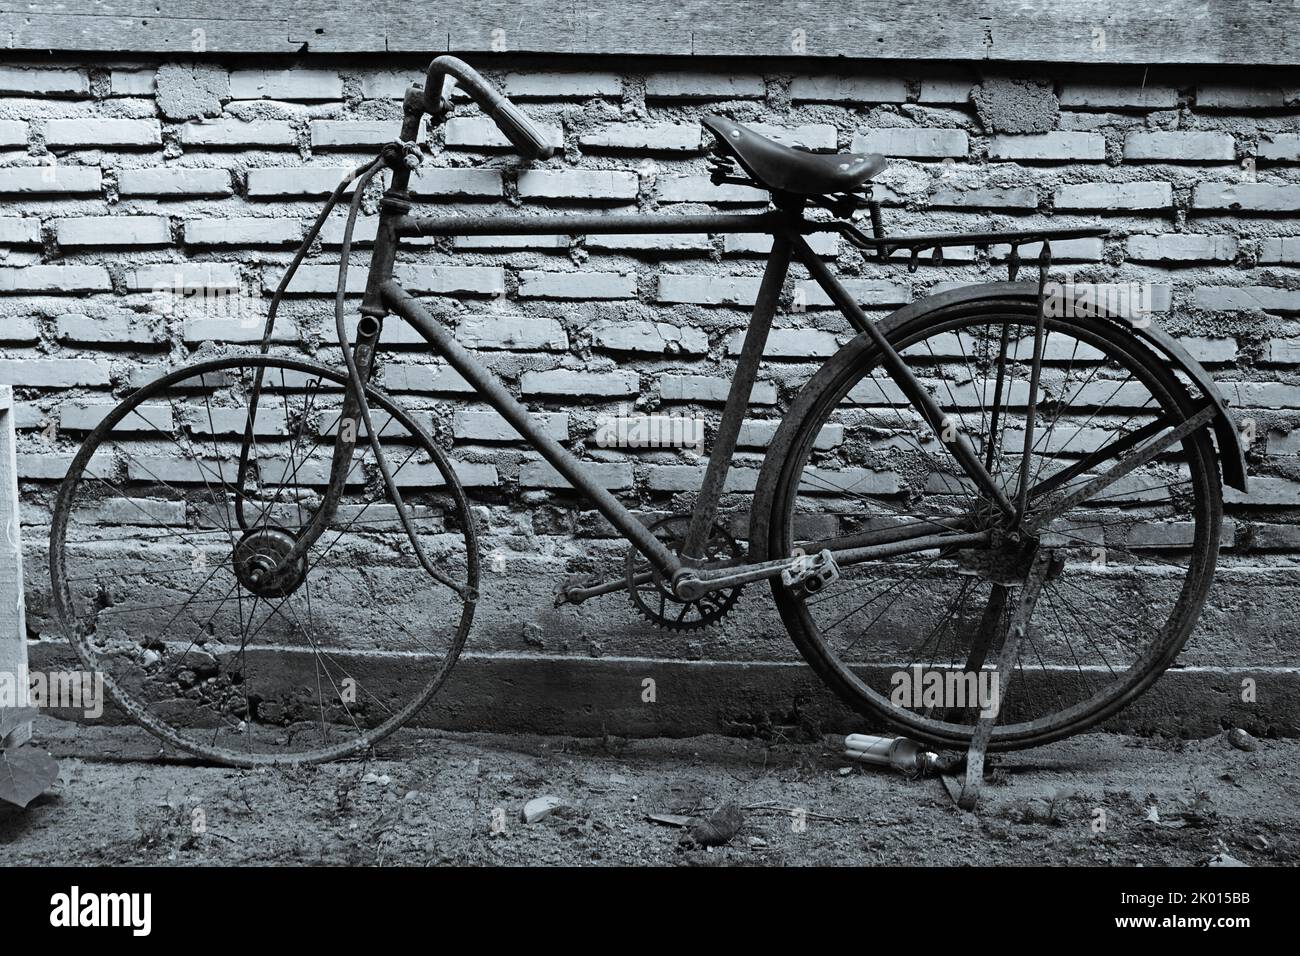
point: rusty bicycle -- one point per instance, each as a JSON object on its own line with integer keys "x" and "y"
{"x": 271, "y": 560}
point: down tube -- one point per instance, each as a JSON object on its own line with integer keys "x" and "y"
{"x": 397, "y": 299}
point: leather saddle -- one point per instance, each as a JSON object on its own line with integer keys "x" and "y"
{"x": 786, "y": 169}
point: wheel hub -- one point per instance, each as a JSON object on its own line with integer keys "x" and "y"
{"x": 259, "y": 560}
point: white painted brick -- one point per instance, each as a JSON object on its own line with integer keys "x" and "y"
{"x": 702, "y": 189}
{"x": 243, "y": 329}
{"x": 988, "y": 197}
{"x": 703, "y": 86}
{"x": 945, "y": 91}
{"x": 13, "y": 133}
{"x": 869, "y": 292}
{"x": 183, "y": 275}
{"x": 535, "y": 284}
{"x": 677, "y": 478}
{"x": 555, "y": 86}
{"x": 791, "y": 343}
{"x": 1179, "y": 146}
{"x": 103, "y": 132}
{"x": 919, "y": 143}
{"x": 1063, "y": 250}
{"x": 487, "y": 425}
{"x": 119, "y": 328}
{"x": 511, "y": 242}
{"x": 291, "y": 84}
{"x": 612, "y": 476}
{"x": 43, "y": 82}
{"x": 56, "y": 279}
{"x": 1118, "y": 96}
{"x": 825, "y": 244}
{"x": 456, "y": 182}
{"x": 1280, "y": 249}
{"x": 345, "y": 133}
{"x": 133, "y": 82}
{"x": 228, "y": 132}
{"x": 659, "y": 242}
{"x": 1246, "y": 298}
{"x": 51, "y": 179}
{"x": 1057, "y": 145}
{"x": 665, "y": 137}
{"x": 709, "y": 290}
{"x": 1257, "y": 96}
{"x": 578, "y": 383}
{"x": 849, "y": 89}
{"x": 1282, "y": 147}
{"x": 53, "y": 372}
{"x": 578, "y": 184}
{"x": 708, "y": 389}
{"x": 243, "y": 231}
{"x": 20, "y": 230}
{"x": 655, "y": 338}
{"x": 20, "y": 330}
{"x": 481, "y": 132}
{"x": 512, "y": 331}
{"x": 1248, "y": 197}
{"x": 441, "y": 280}
{"x": 1144, "y": 195}
{"x": 174, "y": 181}
{"x": 83, "y": 416}
{"x": 1182, "y": 247}
{"x": 295, "y": 180}
{"x": 113, "y": 231}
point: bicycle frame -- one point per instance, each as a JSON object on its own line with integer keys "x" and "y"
{"x": 788, "y": 228}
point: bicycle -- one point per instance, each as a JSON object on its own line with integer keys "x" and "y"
{"x": 921, "y": 490}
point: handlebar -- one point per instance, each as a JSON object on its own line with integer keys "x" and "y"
{"x": 516, "y": 126}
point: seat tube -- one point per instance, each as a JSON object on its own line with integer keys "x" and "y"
{"x": 742, "y": 384}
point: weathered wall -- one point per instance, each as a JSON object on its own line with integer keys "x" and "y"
{"x": 122, "y": 175}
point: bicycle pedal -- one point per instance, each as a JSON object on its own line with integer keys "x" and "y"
{"x": 810, "y": 573}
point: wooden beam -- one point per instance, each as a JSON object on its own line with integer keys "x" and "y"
{"x": 1225, "y": 32}
{"x": 13, "y": 625}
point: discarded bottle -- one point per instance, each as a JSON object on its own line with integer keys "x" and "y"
{"x": 900, "y": 753}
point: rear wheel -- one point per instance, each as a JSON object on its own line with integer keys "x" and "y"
{"x": 900, "y": 638}
{"x": 169, "y": 587}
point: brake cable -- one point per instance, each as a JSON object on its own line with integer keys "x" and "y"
{"x": 361, "y": 176}
{"x": 359, "y": 390}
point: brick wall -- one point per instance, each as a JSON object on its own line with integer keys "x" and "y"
{"x": 124, "y": 176}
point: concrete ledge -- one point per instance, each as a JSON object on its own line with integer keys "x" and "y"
{"x": 595, "y": 696}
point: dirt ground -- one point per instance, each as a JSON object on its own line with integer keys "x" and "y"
{"x": 436, "y": 798}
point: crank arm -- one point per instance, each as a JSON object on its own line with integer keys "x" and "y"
{"x": 577, "y": 593}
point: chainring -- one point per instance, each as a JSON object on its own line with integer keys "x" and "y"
{"x": 654, "y": 599}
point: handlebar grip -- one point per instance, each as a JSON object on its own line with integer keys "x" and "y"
{"x": 523, "y": 135}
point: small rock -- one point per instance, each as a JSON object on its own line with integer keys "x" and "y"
{"x": 1241, "y": 739}
{"x": 539, "y": 808}
{"x": 719, "y": 828}
{"x": 845, "y": 771}
{"x": 151, "y": 658}
{"x": 1223, "y": 859}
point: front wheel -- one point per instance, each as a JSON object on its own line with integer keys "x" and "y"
{"x": 911, "y": 639}
{"x": 174, "y": 579}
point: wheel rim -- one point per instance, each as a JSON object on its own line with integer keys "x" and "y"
{"x": 157, "y": 582}
{"x": 929, "y": 626}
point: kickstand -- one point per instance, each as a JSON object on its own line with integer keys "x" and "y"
{"x": 1005, "y": 668}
